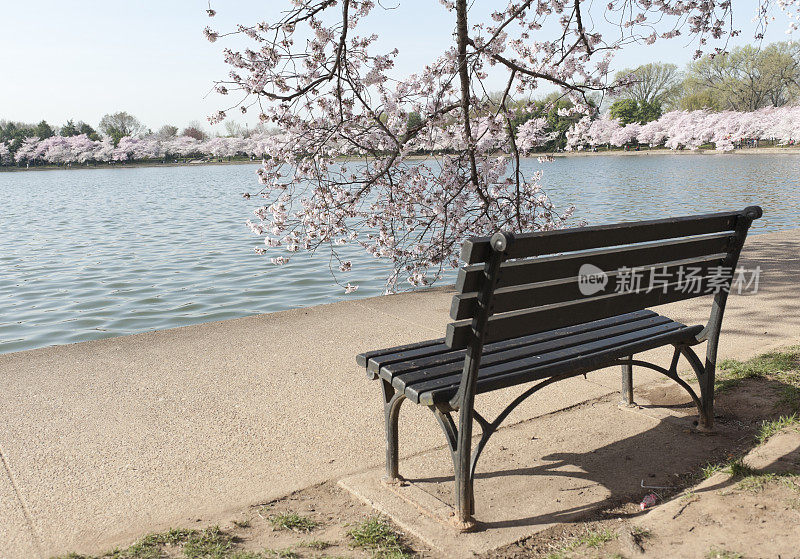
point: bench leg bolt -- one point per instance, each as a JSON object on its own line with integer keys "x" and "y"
{"x": 463, "y": 525}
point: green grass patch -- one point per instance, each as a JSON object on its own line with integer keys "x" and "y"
{"x": 766, "y": 364}
{"x": 591, "y": 539}
{"x": 710, "y": 469}
{"x": 292, "y": 521}
{"x": 769, "y": 428}
{"x": 319, "y": 545}
{"x": 242, "y": 554}
{"x": 750, "y": 479}
{"x": 790, "y": 396}
{"x": 375, "y": 534}
{"x": 781, "y": 365}
{"x": 757, "y": 482}
{"x": 211, "y": 543}
{"x": 688, "y": 494}
{"x": 737, "y": 468}
{"x": 715, "y": 553}
{"x": 596, "y": 538}
{"x": 287, "y": 553}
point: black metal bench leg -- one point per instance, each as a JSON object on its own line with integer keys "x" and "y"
{"x": 705, "y": 377}
{"x": 627, "y": 383}
{"x": 464, "y": 462}
{"x": 391, "y": 407}
{"x": 707, "y": 397}
{"x": 463, "y": 469}
{"x": 464, "y": 490}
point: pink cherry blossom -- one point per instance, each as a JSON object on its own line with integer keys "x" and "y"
{"x": 726, "y": 130}
{"x": 341, "y": 172}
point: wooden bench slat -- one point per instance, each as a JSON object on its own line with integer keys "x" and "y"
{"x": 534, "y": 295}
{"x": 526, "y": 245}
{"x": 392, "y": 369}
{"x": 407, "y": 379}
{"x": 539, "y": 319}
{"x": 544, "y": 359}
{"x": 363, "y": 358}
{"x": 579, "y": 360}
{"x": 375, "y": 363}
{"x": 548, "y": 268}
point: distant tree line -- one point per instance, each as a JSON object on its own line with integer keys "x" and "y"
{"x": 744, "y": 79}
{"x": 114, "y": 127}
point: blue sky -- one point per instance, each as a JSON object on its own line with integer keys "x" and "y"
{"x": 82, "y": 59}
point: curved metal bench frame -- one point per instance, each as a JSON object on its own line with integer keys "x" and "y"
{"x": 461, "y": 454}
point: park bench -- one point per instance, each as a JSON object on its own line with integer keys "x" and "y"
{"x": 545, "y": 306}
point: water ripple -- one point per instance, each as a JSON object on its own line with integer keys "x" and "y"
{"x": 90, "y": 254}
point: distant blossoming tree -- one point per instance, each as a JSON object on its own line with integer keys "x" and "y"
{"x": 314, "y": 75}
{"x": 674, "y": 130}
{"x": 691, "y": 129}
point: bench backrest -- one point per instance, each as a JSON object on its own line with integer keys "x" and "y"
{"x": 534, "y": 282}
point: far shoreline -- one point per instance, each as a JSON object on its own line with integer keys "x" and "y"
{"x": 581, "y": 153}
{"x": 127, "y": 165}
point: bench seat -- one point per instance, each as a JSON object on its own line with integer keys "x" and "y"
{"x": 430, "y": 372}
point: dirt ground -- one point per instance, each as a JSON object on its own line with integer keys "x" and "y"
{"x": 732, "y": 494}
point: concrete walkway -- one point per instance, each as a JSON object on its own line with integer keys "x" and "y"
{"x": 103, "y": 441}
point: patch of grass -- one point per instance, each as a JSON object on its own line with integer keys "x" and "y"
{"x": 152, "y": 546}
{"x": 781, "y": 365}
{"x": 758, "y": 482}
{"x": 596, "y": 538}
{"x": 790, "y": 397}
{"x": 287, "y": 553}
{"x": 377, "y": 535}
{"x": 241, "y": 554}
{"x": 710, "y": 469}
{"x": 715, "y": 553}
{"x": 766, "y": 364}
{"x": 737, "y": 468}
{"x": 317, "y": 544}
{"x": 769, "y": 428}
{"x": 688, "y": 494}
{"x": 211, "y": 543}
{"x": 592, "y": 538}
{"x": 292, "y": 521}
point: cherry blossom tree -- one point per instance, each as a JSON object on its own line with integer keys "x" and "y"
{"x": 27, "y": 150}
{"x": 692, "y": 129}
{"x": 5, "y": 153}
{"x": 674, "y": 130}
{"x": 341, "y": 172}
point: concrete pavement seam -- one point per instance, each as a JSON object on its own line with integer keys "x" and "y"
{"x": 37, "y": 541}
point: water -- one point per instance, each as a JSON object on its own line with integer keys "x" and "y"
{"x": 88, "y": 254}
